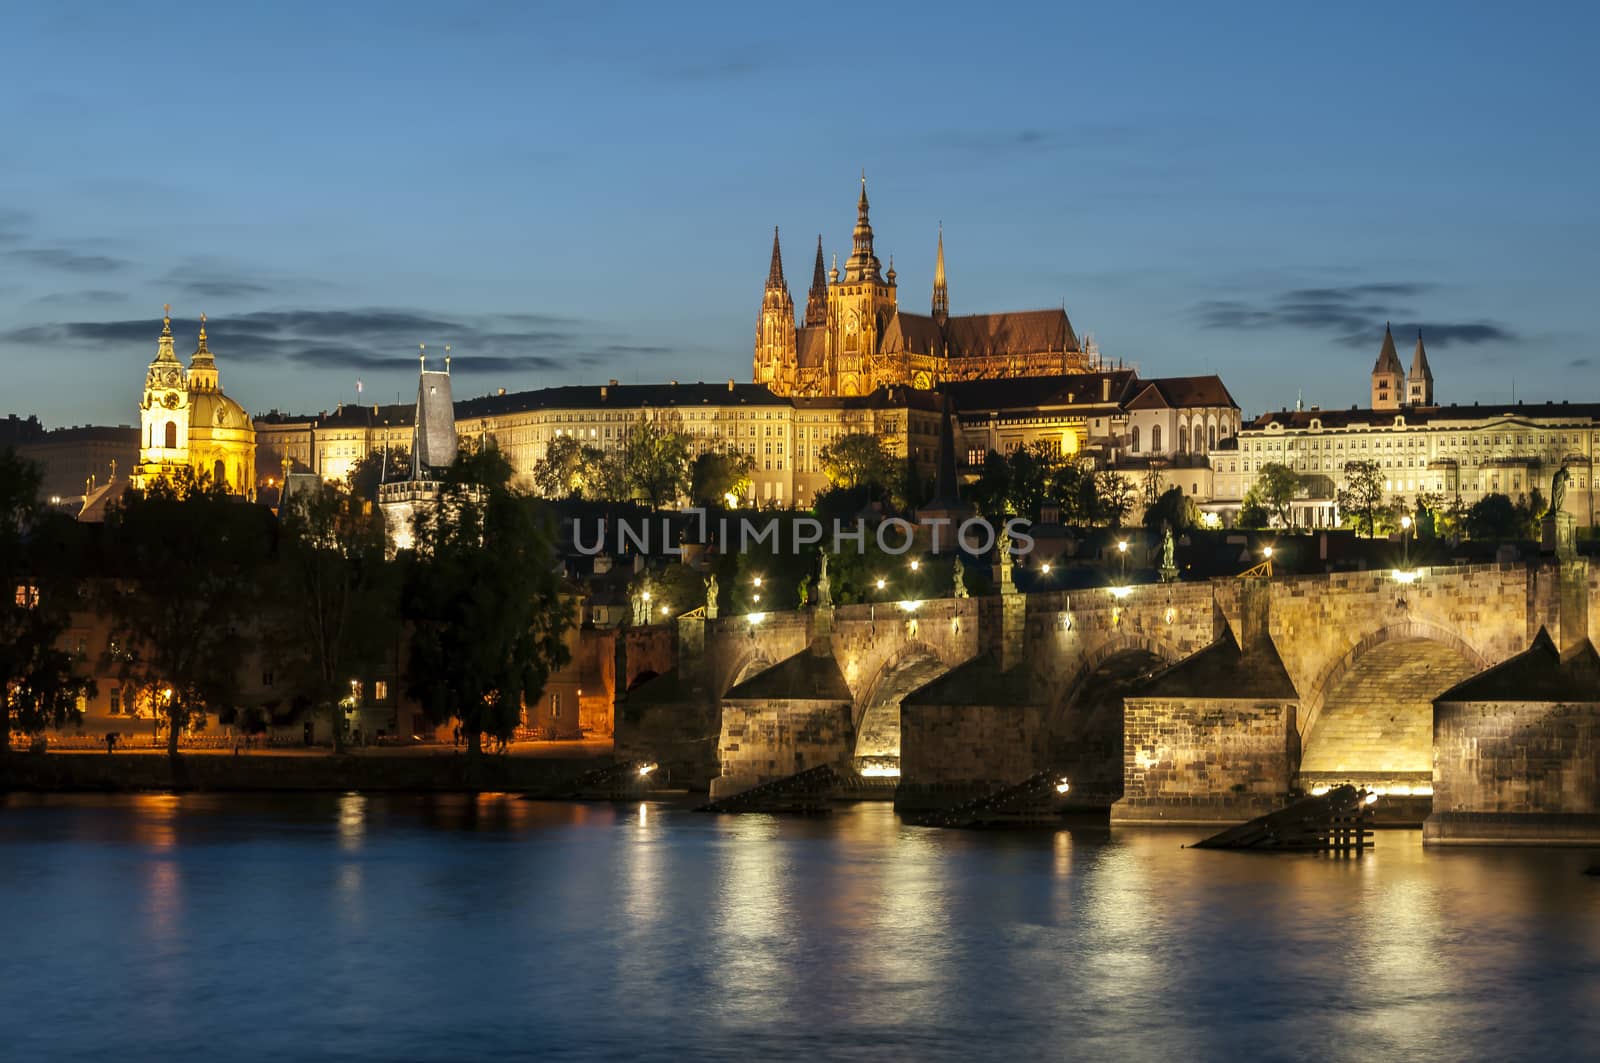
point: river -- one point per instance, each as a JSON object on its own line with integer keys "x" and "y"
{"x": 288, "y": 927}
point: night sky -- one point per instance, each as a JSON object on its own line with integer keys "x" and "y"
{"x": 584, "y": 191}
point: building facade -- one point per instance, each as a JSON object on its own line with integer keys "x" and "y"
{"x": 855, "y": 338}
{"x": 185, "y": 420}
{"x": 1459, "y": 453}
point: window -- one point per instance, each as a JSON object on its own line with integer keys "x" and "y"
{"x": 380, "y": 690}
{"x": 1155, "y": 440}
{"x": 1134, "y": 448}
{"x": 266, "y": 679}
{"x": 172, "y": 435}
{"x": 116, "y": 703}
{"x": 555, "y": 706}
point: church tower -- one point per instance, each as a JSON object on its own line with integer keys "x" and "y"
{"x": 941, "y": 290}
{"x": 817, "y": 298}
{"x": 859, "y": 308}
{"x": 1420, "y": 382}
{"x": 775, "y": 342}
{"x": 164, "y": 411}
{"x": 1388, "y": 378}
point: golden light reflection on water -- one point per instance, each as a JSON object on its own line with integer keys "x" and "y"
{"x": 352, "y": 820}
{"x": 752, "y": 925}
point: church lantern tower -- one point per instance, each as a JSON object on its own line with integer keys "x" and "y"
{"x": 1388, "y": 378}
{"x": 859, "y": 308}
{"x": 774, "y": 363}
{"x": 163, "y": 412}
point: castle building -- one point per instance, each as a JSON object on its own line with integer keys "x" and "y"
{"x": 1455, "y": 453}
{"x": 855, "y": 337}
{"x": 185, "y": 419}
{"x": 433, "y": 448}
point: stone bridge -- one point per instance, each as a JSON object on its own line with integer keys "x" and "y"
{"x": 957, "y": 695}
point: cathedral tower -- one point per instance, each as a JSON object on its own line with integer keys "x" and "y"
{"x": 1388, "y": 378}
{"x": 775, "y": 342}
{"x": 817, "y": 298}
{"x": 859, "y": 308}
{"x": 164, "y": 411}
{"x": 941, "y": 290}
{"x": 1420, "y": 382}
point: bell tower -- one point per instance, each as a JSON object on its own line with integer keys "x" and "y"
{"x": 859, "y": 306}
{"x": 163, "y": 412}
{"x": 1388, "y": 378}
{"x": 775, "y": 362}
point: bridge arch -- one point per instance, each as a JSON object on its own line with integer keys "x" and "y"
{"x": 1369, "y": 718}
{"x": 876, "y": 715}
{"x": 1083, "y": 730}
{"x": 751, "y": 661}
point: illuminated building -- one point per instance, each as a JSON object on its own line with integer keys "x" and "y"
{"x": 185, "y": 419}
{"x": 855, "y": 338}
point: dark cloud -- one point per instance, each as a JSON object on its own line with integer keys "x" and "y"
{"x": 225, "y": 289}
{"x": 66, "y": 260}
{"x": 371, "y": 339}
{"x": 211, "y": 278}
{"x": 90, "y": 295}
{"x": 1580, "y": 363}
{"x": 1348, "y": 314}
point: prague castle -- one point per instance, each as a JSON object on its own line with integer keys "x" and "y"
{"x": 856, "y": 339}
{"x": 186, "y": 420}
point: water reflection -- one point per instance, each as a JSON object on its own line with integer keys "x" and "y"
{"x": 380, "y": 927}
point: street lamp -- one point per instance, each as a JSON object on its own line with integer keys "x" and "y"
{"x": 1122, "y": 552}
{"x": 1405, "y": 540}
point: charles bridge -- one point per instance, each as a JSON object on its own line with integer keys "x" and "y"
{"x": 1167, "y": 702}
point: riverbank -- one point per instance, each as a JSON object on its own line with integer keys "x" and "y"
{"x": 368, "y": 771}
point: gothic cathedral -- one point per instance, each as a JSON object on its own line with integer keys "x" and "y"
{"x": 855, "y": 338}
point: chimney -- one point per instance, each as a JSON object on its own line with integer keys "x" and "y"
{"x": 730, "y": 383}
{"x": 603, "y": 391}
{"x": 1105, "y": 389}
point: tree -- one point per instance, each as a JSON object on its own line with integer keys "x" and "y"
{"x": 393, "y": 463}
{"x": 1114, "y": 497}
{"x": 1494, "y": 518}
{"x": 656, "y": 462}
{"x": 1275, "y": 489}
{"x": 720, "y": 475}
{"x": 1174, "y": 509}
{"x": 1252, "y": 514}
{"x": 1361, "y": 497}
{"x": 335, "y": 595}
{"x": 186, "y": 558}
{"x": 859, "y": 460}
{"x": 484, "y": 601}
{"x": 1150, "y": 486}
{"x": 569, "y": 468}
{"x": 39, "y": 683}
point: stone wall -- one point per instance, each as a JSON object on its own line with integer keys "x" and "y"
{"x": 1523, "y": 757}
{"x": 768, "y": 739}
{"x": 955, "y": 751}
{"x": 1205, "y": 759}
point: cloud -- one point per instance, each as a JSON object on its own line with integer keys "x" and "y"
{"x": 13, "y": 224}
{"x": 213, "y": 278}
{"x": 1348, "y": 314}
{"x": 371, "y": 339}
{"x": 88, "y": 295}
{"x": 1580, "y": 363}
{"x": 66, "y": 260}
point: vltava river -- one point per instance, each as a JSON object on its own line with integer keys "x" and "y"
{"x": 409, "y": 928}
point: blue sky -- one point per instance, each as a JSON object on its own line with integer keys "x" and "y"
{"x": 576, "y": 192}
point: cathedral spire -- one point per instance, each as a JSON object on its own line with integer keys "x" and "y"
{"x": 941, "y": 290}
{"x": 863, "y": 265}
{"x": 817, "y": 298}
{"x": 775, "y": 273}
{"x": 164, "y": 351}
{"x": 1420, "y": 380}
{"x": 202, "y": 367}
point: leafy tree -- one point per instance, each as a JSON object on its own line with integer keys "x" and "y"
{"x": 569, "y": 468}
{"x": 1361, "y": 497}
{"x": 719, "y": 475}
{"x": 656, "y": 462}
{"x": 39, "y": 684}
{"x": 1425, "y": 519}
{"x": 187, "y": 558}
{"x": 1275, "y": 488}
{"x": 1494, "y": 518}
{"x": 335, "y": 595}
{"x": 1114, "y": 497}
{"x": 484, "y": 601}
{"x": 365, "y": 476}
{"x": 1175, "y": 509}
{"x": 859, "y": 460}
{"x": 1253, "y": 515}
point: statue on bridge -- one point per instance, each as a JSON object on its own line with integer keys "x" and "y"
{"x": 711, "y": 597}
{"x": 959, "y": 580}
{"x": 804, "y": 590}
{"x": 1169, "y": 566}
{"x": 1558, "y": 488}
{"x": 824, "y": 588}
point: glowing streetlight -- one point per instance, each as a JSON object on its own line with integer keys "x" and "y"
{"x": 915, "y": 564}
{"x": 1122, "y": 554}
{"x": 1405, "y": 540}
{"x": 1063, "y": 786}
{"x": 882, "y": 583}
{"x": 758, "y": 581}
{"x": 1045, "y": 568}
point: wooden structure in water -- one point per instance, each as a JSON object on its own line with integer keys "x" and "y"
{"x": 1036, "y": 799}
{"x": 1339, "y": 821}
